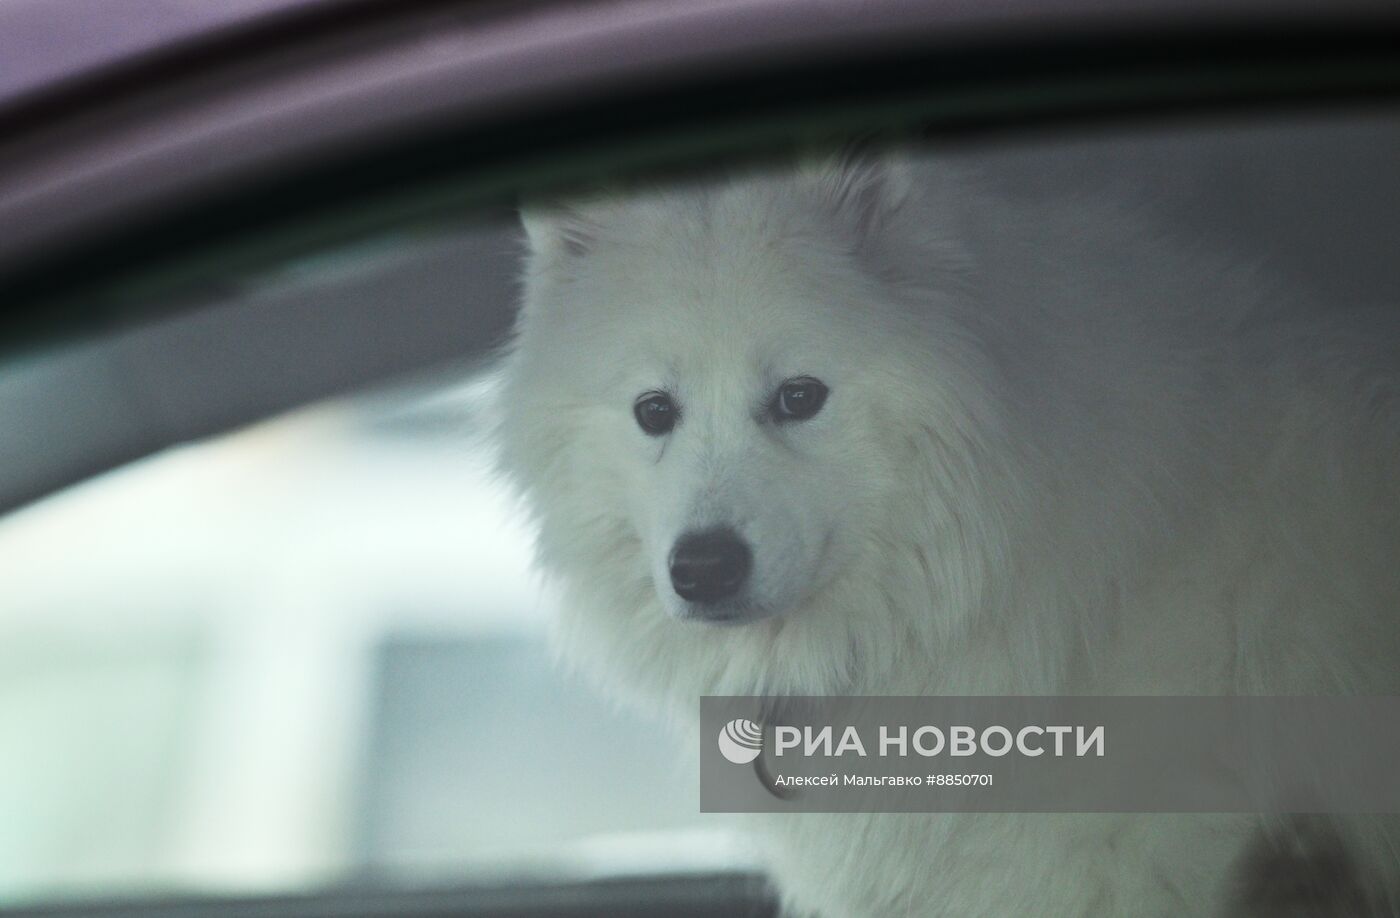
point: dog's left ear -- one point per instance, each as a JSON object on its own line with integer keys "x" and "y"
{"x": 863, "y": 188}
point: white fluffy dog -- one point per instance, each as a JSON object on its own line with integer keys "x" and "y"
{"x": 859, "y": 427}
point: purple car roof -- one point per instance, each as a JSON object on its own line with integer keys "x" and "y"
{"x": 43, "y": 42}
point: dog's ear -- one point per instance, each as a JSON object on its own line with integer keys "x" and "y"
{"x": 862, "y": 187}
{"x": 554, "y": 231}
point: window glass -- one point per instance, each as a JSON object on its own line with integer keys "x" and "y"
{"x": 313, "y": 650}
{"x": 308, "y": 649}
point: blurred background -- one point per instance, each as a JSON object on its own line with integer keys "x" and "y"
{"x": 309, "y": 652}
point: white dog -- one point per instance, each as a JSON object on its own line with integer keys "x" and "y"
{"x": 862, "y": 428}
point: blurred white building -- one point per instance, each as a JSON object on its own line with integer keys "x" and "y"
{"x": 303, "y": 653}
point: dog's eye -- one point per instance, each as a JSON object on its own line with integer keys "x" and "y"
{"x": 656, "y": 413}
{"x": 799, "y": 399}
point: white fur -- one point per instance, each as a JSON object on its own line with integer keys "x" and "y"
{"x": 1059, "y": 456}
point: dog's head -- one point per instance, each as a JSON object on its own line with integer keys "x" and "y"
{"x": 719, "y": 405}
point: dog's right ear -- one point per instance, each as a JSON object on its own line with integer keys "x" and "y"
{"x": 557, "y": 231}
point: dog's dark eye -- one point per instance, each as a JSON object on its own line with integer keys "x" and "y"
{"x": 799, "y": 399}
{"x": 656, "y": 413}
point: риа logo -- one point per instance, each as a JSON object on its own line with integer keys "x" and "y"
{"x": 741, "y": 741}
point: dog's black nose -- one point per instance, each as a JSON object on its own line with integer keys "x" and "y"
{"x": 709, "y": 566}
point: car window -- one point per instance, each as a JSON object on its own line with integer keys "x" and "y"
{"x": 314, "y": 650}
